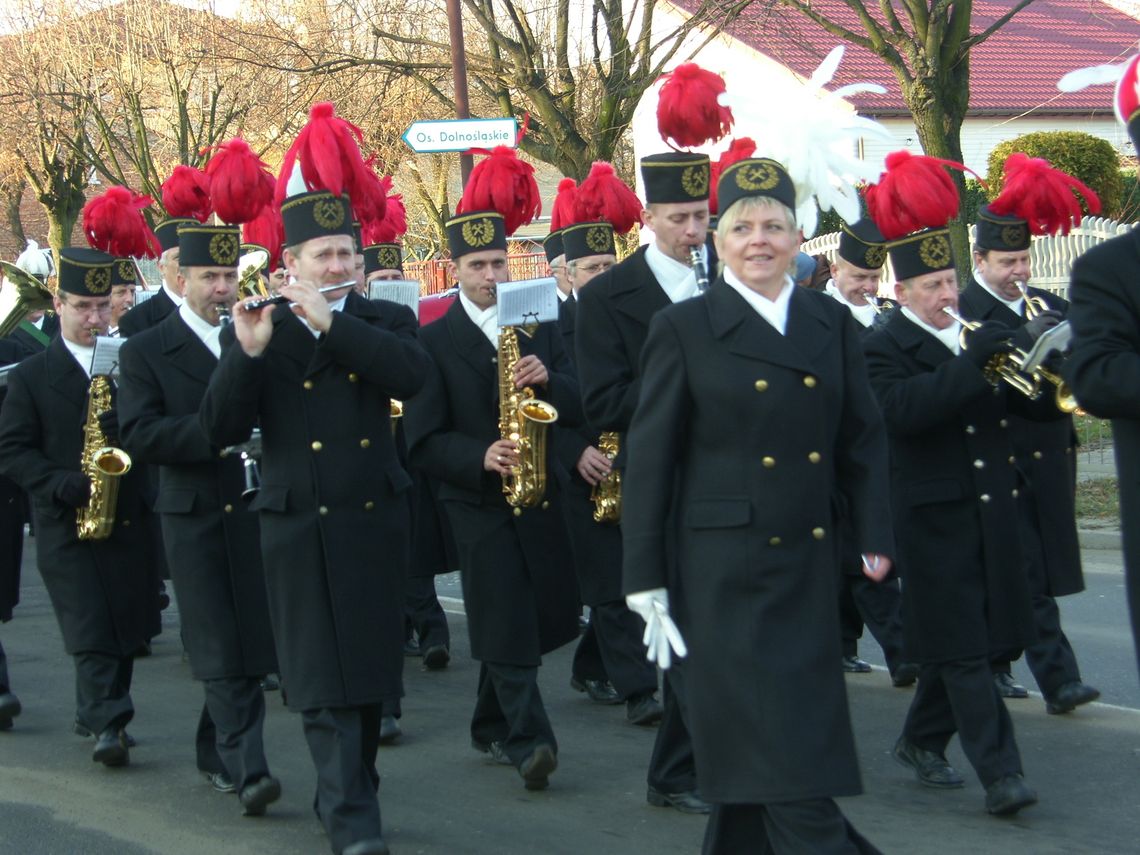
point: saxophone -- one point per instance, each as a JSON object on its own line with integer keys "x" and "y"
{"x": 523, "y": 419}
{"x": 606, "y": 494}
{"x": 101, "y": 463}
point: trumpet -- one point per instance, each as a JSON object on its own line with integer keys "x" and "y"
{"x": 879, "y": 304}
{"x": 1001, "y": 366}
{"x": 1063, "y": 396}
{"x": 1034, "y": 305}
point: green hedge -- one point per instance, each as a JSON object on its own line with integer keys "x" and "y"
{"x": 1130, "y": 198}
{"x": 1094, "y": 161}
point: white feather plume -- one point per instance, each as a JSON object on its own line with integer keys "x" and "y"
{"x": 1094, "y": 75}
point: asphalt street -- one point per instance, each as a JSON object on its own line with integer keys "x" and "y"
{"x": 439, "y": 796}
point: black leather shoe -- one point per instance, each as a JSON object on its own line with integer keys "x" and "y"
{"x": 600, "y": 691}
{"x": 163, "y": 601}
{"x": 1009, "y": 795}
{"x": 855, "y": 665}
{"x": 389, "y": 729}
{"x": 111, "y": 748}
{"x": 220, "y": 781}
{"x": 270, "y": 683}
{"x": 372, "y": 846}
{"x": 412, "y": 647}
{"x": 495, "y": 749}
{"x": 535, "y": 769}
{"x": 644, "y": 710}
{"x": 932, "y": 769}
{"x": 9, "y": 709}
{"x": 1007, "y": 688}
{"x": 1069, "y": 697}
{"x": 256, "y": 797}
{"x": 687, "y": 802}
{"x": 904, "y": 675}
{"x": 436, "y": 657}
{"x": 85, "y": 732}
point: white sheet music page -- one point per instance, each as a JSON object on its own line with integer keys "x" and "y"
{"x": 528, "y": 301}
{"x": 105, "y": 360}
{"x": 406, "y": 292}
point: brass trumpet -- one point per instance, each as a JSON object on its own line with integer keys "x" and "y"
{"x": 1001, "y": 366}
{"x": 1063, "y": 396}
{"x": 879, "y": 304}
{"x": 1034, "y": 305}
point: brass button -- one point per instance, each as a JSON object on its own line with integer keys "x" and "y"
{"x": 1037, "y": 455}
{"x": 761, "y": 385}
{"x": 985, "y": 497}
{"x": 126, "y": 522}
{"x": 810, "y": 382}
{"x": 364, "y": 443}
{"x": 518, "y": 512}
{"x": 971, "y": 429}
{"x": 818, "y": 533}
{"x": 229, "y": 509}
{"x": 316, "y": 445}
{"x": 308, "y": 384}
{"x": 1012, "y": 459}
{"x": 769, "y": 462}
{"x": 979, "y": 464}
{"x": 352, "y": 378}
{"x": 774, "y": 541}
{"x": 1004, "y": 423}
{"x": 545, "y": 505}
{"x": 369, "y": 506}
{"x": 323, "y": 511}
{"x": 815, "y": 457}
{"x": 1068, "y": 451}
{"x": 1014, "y": 492}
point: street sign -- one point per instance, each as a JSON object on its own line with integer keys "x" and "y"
{"x": 460, "y": 134}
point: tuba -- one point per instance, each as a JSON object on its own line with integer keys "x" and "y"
{"x": 22, "y": 294}
{"x": 606, "y": 494}
{"x": 523, "y": 419}
{"x": 103, "y": 464}
{"x": 252, "y": 262}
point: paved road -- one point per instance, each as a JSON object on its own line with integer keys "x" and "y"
{"x": 439, "y": 797}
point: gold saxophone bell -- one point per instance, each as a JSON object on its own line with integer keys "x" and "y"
{"x": 21, "y": 295}
{"x": 103, "y": 464}
{"x": 525, "y": 420}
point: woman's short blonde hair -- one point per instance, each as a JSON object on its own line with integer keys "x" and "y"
{"x": 749, "y": 205}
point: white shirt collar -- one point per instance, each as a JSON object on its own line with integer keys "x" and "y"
{"x": 562, "y": 297}
{"x": 775, "y": 311}
{"x": 863, "y": 314}
{"x": 1015, "y": 306}
{"x": 169, "y": 293}
{"x": 208, "y": 334}
{"x": 677, "y": 280}
{"x": 486, "y": 319}
{"x": 83, "y": 355}
{"x": 948, "y": 336}
{"x": 38, "y": 323}
{"x": 334, "y": 306}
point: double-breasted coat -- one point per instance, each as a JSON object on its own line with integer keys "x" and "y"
{"x": 211, "y": 536}
{"x": 101, "y": 590}
{"x": 334, "y": 516}
{"x": 954, "y": 486}
{"x": 12, "y": 510}
{"x": 1046, "y": 455}
{"x": 516, "y": 569}
{"x": 741, "y": 441}
{"x": 1104, "y": 370}
{"x": 146, "y": 314}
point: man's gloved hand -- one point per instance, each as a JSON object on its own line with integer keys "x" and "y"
{"x": 109, "y": 424}
{"x": 74, "y": 490}
{"x": 1044, "y": 321}
{"x": 985, "y": 341}
{"x": 662, "y": 639}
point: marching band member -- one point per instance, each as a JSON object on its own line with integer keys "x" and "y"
{"x": 123, "y": 282}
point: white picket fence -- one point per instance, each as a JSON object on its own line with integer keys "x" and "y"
{"x": 1051, "y": 258}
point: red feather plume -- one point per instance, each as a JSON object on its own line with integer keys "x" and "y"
{"x": 562, "y": 211}
{"x": 740, "y": 148}
{"x": 186, "y": 193}
{"x": 391, "y": 228}
{"x": 916, "y": 192}
{"x": 114, "y": 223}
{"x": 240, "y": 182}
{"x": 1045, "y": 197}
{"x": 328, "y": 150}
{"x": 501, "y": 182}
{"x": 266, "y": 230}
{"x": 687, "y": 106}
{"x": 604, "y": 196}
{"x": 370, "y": 201}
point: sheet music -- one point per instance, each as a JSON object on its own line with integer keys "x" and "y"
{"x": 528, "y": 301}
{"x": 406, "y": 292}
{"x": 142, "y": 295}
{"x": 105, "y": 360}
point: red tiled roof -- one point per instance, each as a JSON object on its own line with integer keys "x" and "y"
{"x": 1014, "y": 70}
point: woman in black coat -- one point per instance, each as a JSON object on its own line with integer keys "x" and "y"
{"x": 754, "y": 416}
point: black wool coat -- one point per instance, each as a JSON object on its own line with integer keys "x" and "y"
{"x": 102, "y": 591}
{"x": 335, "y": 523}
{"x": 146, "y": 315}
{"x": 517, "y": 573}
{"x": 211, "y": 536}
{"x": 1104, "y": 370}
{"x": 741, "y": 441}
{"x": 1046, "y": 456}
{"x": 954, "y": 485}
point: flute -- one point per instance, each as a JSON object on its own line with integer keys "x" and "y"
{"x": 262, "y": 302}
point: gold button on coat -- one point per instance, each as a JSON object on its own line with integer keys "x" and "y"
{"x": 308, "y": 384}
{"x": 1004, "y": 423}
{"x": 126, "y": 522}
{"x": 369, "y": 506}
{"x": 1012, "y": 459}
{"x": 323, "y": 511}
{"x": 518, "y": 512}
{"x": 1013, "y": 492}
{"x": 970, "y": 429}
{"x": 1037, "y": 455}
{"x": 818, "y": 533}
{"x": 316, "y": 445}
{"x": 985, "y": 497}
{"x": 815, "y": 457}
{"x": 774, "y": 541}
{"x": 352, "y": 378}
{"x": 979, "y": 464}
{"x": 545, "y": 505}
{"x": 810, "y": 382}
{"x": 761, "y": 385}
{"x": 364, "y": 443}
{"x": 769, "y": 462}
{"x": 229, "y": 509}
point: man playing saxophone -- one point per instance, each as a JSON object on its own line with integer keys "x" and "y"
{"x": 101, "y": 589}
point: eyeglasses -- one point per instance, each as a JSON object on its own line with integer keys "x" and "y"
{"x": 595, "y": 267}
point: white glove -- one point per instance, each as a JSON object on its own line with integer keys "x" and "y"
{"x": 662, "y": 639}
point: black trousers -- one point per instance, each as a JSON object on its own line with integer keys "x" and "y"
{"x": 878, "y": 605}
{"x": 611, "y": 649}
{"x": 671, "y": 766}
{"x": 424, "y": 614}
{"x": 229, "y": 735}
{"x": 813, "y": 826}
{"x": 509, "y": 710}
{"x": 961, "y": 697}
{"x": 342, "y": 743}
{"x": 5, "y": 686}
{"x": 103, "y": 691}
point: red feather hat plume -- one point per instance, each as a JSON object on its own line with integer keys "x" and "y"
{"x": 504, "y": 183}
{"x": 604, "y": 196}
{"x": 391, "y": 228}
{"x": 114, "y": 223}
{"x": 186, "y": 193}
{"x": 688, "y": 111}
{"x": 740, "y": 148}
{"x": 240, "y": 182}
{"x": 562, "y": 211}
{"x": 1045, "y": 197}
{"x": 266, "y": 230}
{"x": 916, "y": 192}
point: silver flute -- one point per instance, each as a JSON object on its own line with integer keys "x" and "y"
{"x": 262, "y": 302}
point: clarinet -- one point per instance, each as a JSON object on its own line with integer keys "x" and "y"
{"x": 699, "y": 269}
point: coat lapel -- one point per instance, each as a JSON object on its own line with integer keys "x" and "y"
{"x": 470, "y": 343}
{"x": 354, "y": 305}
{"x": 749, "y": 335}
{"x": 64, "y": 374}
{"x": 981, "y": 305}
{"x": 186, "y": 351}
{"x": 636, "y": 293}
{"x": 916, "y": 341}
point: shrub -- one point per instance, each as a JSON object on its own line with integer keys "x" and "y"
{"x": 1130, "y": 198}
{"x": 1091, "y": 159}
{"x": 975, "y": 197}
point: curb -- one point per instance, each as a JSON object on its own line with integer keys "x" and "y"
{"x": 1099, "y": 538}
